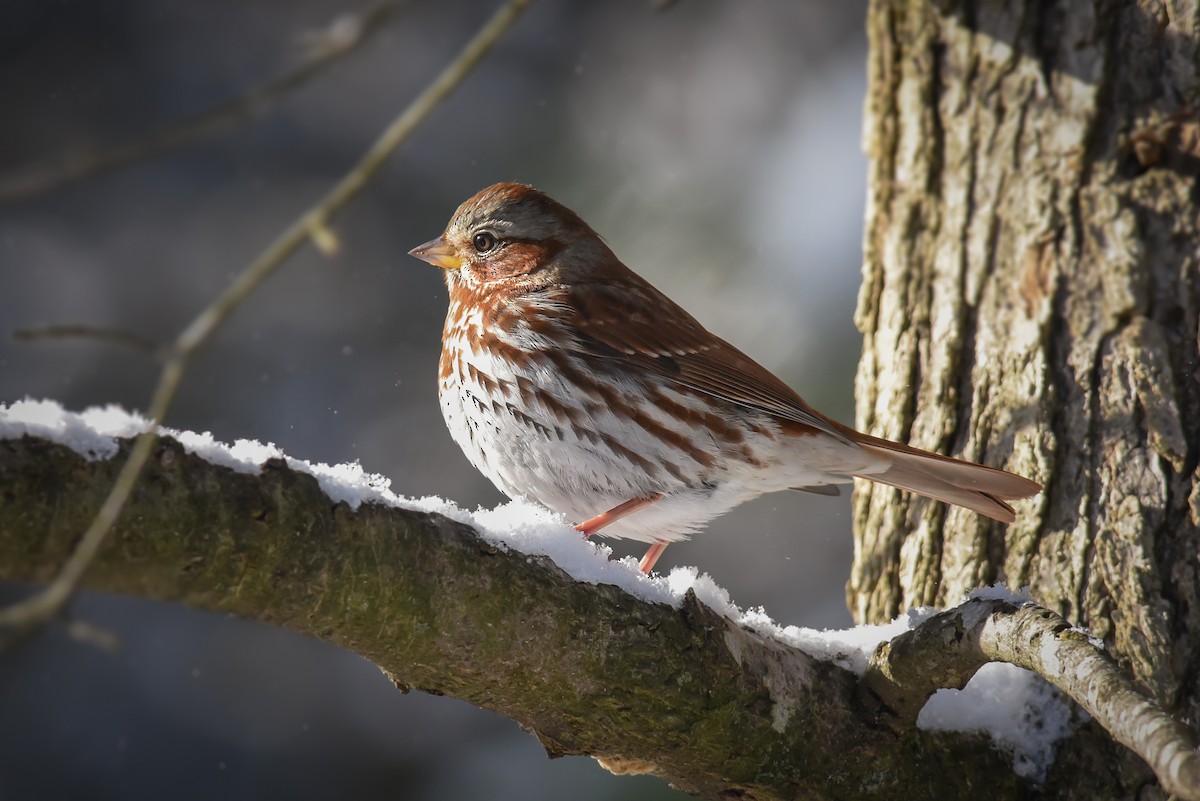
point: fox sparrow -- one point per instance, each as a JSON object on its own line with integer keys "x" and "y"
{"x": 569, "y": 380}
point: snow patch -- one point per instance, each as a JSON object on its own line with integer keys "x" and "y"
{"x": 1014, "y": 707}
{"x": 850, "y": 648}
{"x": 92, "y": 434}
{"x": 243, "y": 456}
{"x": 1000, "y": 592}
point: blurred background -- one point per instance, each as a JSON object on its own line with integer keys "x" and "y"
{"x": 715, "y": 145}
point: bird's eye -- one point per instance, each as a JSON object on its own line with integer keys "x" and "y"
{"x": 484, "y": 241}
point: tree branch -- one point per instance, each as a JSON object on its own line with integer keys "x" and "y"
{"x": 717, "y": 710}
{"x": 684, "y": 693}
{"x": 21, "y": 617}
{"x": 96, "y": 333}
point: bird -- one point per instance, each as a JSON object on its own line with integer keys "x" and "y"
{"x": 569, "y": 380}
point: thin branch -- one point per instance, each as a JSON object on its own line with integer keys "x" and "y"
{"x": 98, "y": 333}
{"x": 1039, "y": 640}
{"x": 47, "y": 603}
{"x": 323, "y": 48}
{"x": 947, "y": 649}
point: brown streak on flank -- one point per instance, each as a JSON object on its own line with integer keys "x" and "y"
{"x": 478, "y": 403}
{"x": 561, "y": 411}
{"x": 559, "y": 359}
{"x": 647, "y": 466}
{"x": 517, "y": 357}
{"x": 677, "y": 440}
{"x": 593, "y": 408}
{"x": 722, "y": 430}
{"x": 531, "y": 396}
{"x": 743, "y": 454}
{"x": 451, "y": 365}
{"x": 616, "y": 403}
{"x": 481, "y": 379}
{"x": 527, "y": 421}
{"x": 446, "y": 364}
{"x": 675, "y": 472}
{"x": 609, "y": 396}
{"x": 582, "y": 433}
{"x": 489, "y": 384}
{"x": 527, "y": 391}
{"x": 565, "y": 366}
{"x": 506, "y": 321}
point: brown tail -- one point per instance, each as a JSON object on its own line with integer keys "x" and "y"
{"x": 981, "y": 489}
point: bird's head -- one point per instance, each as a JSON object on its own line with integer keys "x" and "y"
{"x": 512, "y": 234}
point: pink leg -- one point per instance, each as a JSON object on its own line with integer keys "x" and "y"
{"x": 647, "y": 563}
{"x": 591, "y": 526}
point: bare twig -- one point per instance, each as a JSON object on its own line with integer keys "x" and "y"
{"x": 95, "y": 636}
{"x": 48, "y": 602}
{"x": 99, "y": 333}
{"x": 322, "y": 48}
{"x": 947, "y": 649}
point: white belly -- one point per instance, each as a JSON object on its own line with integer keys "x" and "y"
{"x": 536, "y": 437}
{"x": 531, "y": 448}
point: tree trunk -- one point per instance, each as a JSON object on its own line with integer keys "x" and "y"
{"x": 1030, "y": 301}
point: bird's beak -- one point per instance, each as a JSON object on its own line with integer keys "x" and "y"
{"x": 438, "y": 253}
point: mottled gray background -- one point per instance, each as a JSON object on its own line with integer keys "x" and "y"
{"x": 716, "y": 148}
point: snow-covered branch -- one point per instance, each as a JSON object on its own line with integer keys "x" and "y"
{"x": 659, "y": 675}
{"x": 675, "y": 688}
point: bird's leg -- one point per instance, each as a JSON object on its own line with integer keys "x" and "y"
{"x": 591, "y": 526}
{"x": 647, "y": 563}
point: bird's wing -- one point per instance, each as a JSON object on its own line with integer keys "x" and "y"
{"x": 633, "y": 322}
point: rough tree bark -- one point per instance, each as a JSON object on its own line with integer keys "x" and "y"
{"x": 1031, "y": 300}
